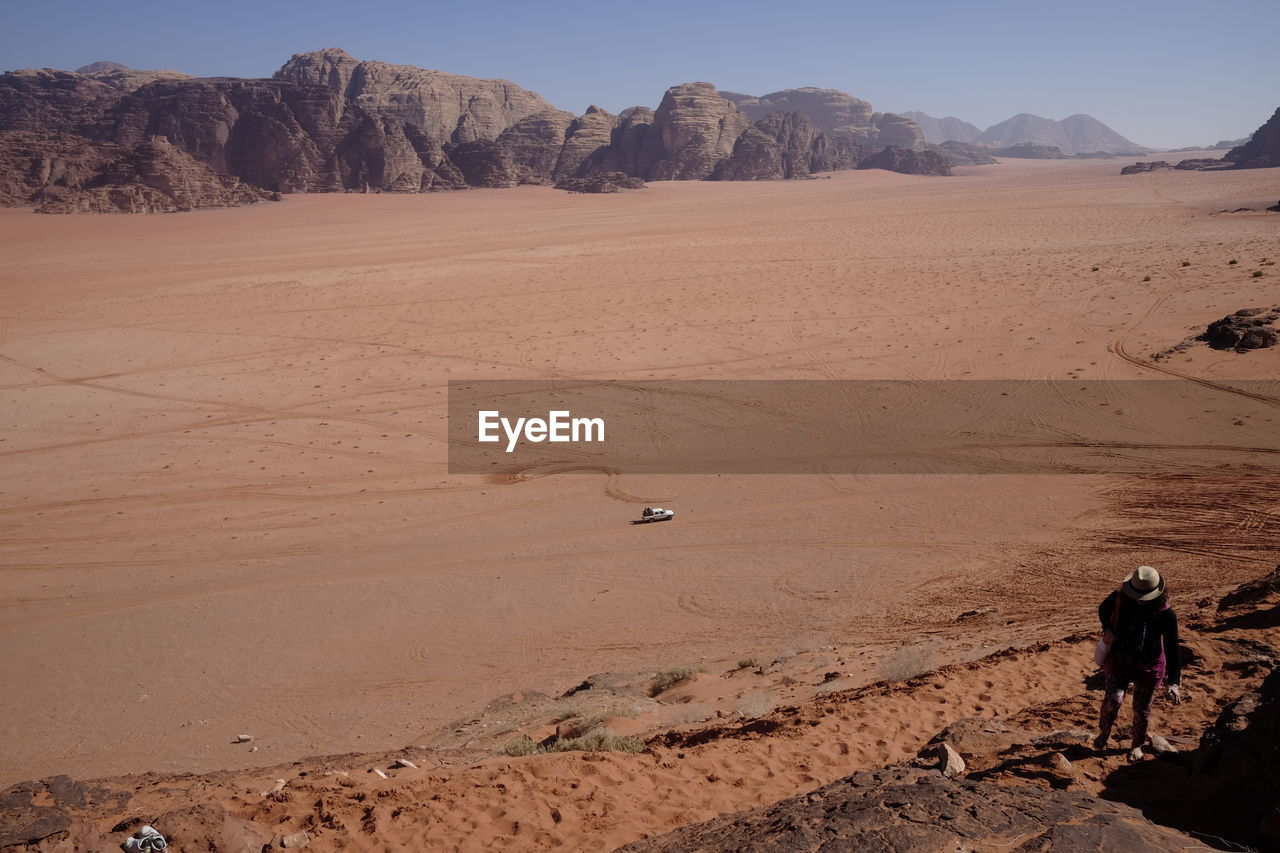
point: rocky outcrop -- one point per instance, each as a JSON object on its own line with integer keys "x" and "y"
{"x": 535, "y": 144}
{"x": 48, "y": 101}
{"x": 601, "y": 182}
{"x": 910, "y": 809}
{"x": 485, "y": 164}
{"x": 835, "y": 112}
{"x": 127, "y": 79}
{"x": 1151, "y": 166}
{"x": 783, "y": 146}
{"x": 59, "y": 173}
{"x": 898, "y": 131}
{"x": 1030, "y": 151}
{"x": 908, "y": 162}
{"x": 693, "y": 130}
{"x": 1248, "y": 328}
{"x": 1263, "y": 148}
{"x": 588, "y": 138}
{"x": 627, "y": 141}
{"x": 446, "y": 107}
{"x": 963, "y": 154}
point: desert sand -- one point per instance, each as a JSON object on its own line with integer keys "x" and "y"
{"x": 225, "y": 506}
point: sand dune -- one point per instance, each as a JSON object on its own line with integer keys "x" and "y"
{"x": 224, "y": 505}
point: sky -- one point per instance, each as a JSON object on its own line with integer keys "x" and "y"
{"x": 1167, "y": 74}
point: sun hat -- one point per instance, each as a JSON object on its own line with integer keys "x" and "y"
{"x": 1143, "y": 584}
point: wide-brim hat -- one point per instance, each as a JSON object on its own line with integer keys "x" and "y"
{"x": 1143, "y": 584}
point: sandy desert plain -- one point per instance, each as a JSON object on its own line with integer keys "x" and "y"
{"x": 225, "y": 507}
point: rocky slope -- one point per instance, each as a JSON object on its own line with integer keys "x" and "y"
{"x": 1263, "y": 148}
{"x": 974, "y": 755}
{"x": 920, "y": 811}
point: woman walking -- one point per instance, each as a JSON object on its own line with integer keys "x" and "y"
{"x": 1141, "y": 633}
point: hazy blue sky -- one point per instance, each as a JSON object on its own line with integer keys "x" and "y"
{"x": 1163, "y": 74}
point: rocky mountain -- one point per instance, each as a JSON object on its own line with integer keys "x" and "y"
{"x": 939, "y": 130}
{"x": 1263, "y": 148}
{"x": 833, "y": 111}
{"x": 1077, "y": 134}
{"x": 114, "y": 138}
{"x": 1074, "y": 135}
{"x": 446, "y": 107}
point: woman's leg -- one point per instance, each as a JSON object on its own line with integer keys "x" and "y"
{"x": 1146, "y": 684}
{"x": 1113, "y": 691}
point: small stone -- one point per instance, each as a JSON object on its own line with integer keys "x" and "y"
{"x": 243, "y": 738}
{"x": 949, "y": 761}
{"x": 404, "y": 762}
{"x": 1160, "y": 746}
{"x": 380, "y": 772}
{"x": 253, "y": 748}
{"x": 297, "y": 839}
{"x": 279, "y": 786}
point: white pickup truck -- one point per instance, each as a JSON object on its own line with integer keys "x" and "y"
{"x": 656, "y": 513}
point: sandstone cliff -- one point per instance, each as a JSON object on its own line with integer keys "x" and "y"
{"x": 693, "y": 130}
{"x": 328, "y": 122}
{"x": 446, "y": 107}
{"x": 783, "y": 146}
{"x": 833, "y": 111}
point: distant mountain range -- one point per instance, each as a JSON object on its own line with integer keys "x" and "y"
{"x": 1077, "y": 134}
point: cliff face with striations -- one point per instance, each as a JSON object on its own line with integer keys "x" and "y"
{"x": 835, "y": 112}
{"x": 693, "y": 130}
{"x": 446, "y": 107}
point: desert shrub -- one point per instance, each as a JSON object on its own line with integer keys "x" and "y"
{"x": 521, "y": 746}
{"x": 748, "y": 663}
{"x": 595, "y": 742}
{"x": 669, "y": 678}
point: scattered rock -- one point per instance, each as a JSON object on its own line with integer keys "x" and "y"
{"x": 297, "y": 839}
{"x": 243, "y": 738}
{"x": 977, "y": 736}
{"x": 404, "y": 762}
{"x": 949, "y": 761}
{"x": 379, "y": 772}
{"x": 1246, "y": 329}
{"x": 1161, "y": 746}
